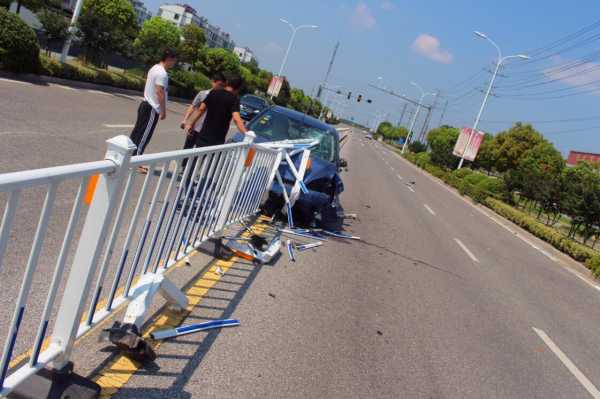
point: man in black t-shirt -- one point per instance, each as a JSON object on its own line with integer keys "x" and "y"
{"x": 220, "y": 106}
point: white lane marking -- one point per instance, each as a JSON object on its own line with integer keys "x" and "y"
{"x": 63, "y": 87}
{"x": 466, "y": 201}
{"x": 516, "y": 234}
{"x": 429, "y": 209}
{"x": 399, "y": 177}
{"x": 583, "y": 380}
{"x": 585, "y": 280}
{"x": 117, "y": 126}
{"x": 16, "y": 81}
{"x": 410, "y": 188}
{"x": 98, "y": 92}
{"x": 464, "y": 248}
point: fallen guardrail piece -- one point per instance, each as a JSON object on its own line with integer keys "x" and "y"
{"x": 290, "y": 250}
{"x": 256, "y": 249}
{"x": 339, "y": 234}
{"x": 303, "y": 233}
{"x": 193, "y": 328}
{"x": 304, "y": 247}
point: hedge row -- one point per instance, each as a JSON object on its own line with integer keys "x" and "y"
{"x": 555, "y": 238}
{"x": 180, "y": 85}
{"x": 473, "y": 184}
{"x": 490, "y": 192}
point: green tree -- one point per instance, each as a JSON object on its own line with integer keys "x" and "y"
{"x": 510, "y": 146}
{"x": 485, "y": 157}
{"x": 5, "y": 3}
{"x": 252, "y": 66}
{"x": 55, "y": 25}
{"x": 19, "y": 47}
{"x": 539, "y": 178}
{"x": 442, "y": 141}
{"x": 31, "y": 5}
{"x": 417, "y": 146}
{"x": 192, "y": 44}
{"x": 154, "y": 38}
{"x": 264, "y": 79}
{"x": 106, "y": 26}
{"x": 284, "y": 95}
{"x": 218, "y": 60}
{"x": 582, "y": 198}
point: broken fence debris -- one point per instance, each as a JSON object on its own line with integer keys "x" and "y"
{"x": 290, "y": 250}
{"x": 192, "y": 328}
{"x": 339, "y": 234}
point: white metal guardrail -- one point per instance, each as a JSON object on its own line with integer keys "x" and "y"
{"x": 135, "y": 225}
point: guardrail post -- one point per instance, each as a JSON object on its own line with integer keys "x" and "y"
{"x": 89, "y": 248}
{"x": 235, "y": 182}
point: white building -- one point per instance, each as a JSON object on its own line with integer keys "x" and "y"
{"x": 141, "y": 12}
{"x": 183, "y": 14}
{"x": 244, "y": 54}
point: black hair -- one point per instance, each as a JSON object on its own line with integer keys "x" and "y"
{"x": 235, "y": 82}
{"x": 218, "y": 77}
{"x": 168, "y": 53}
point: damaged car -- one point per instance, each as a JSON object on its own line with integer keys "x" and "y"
{"x": 321, "y": 206}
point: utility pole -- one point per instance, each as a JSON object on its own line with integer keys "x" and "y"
{"x": 402, "y": 114}
{"x": 67, "y": 46}
{"x": 428, "y": 118}
{"x": 331, "y": 62}
{"x": 443, "y": 112}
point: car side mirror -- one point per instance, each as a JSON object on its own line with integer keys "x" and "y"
{"x": 343, "y": 163}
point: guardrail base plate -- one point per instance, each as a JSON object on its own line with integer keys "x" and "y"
{"x": 53, "y": 384}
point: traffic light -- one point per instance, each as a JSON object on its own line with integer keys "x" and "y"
{"x": 349, "y": 95}
{"x": 359, "y": 98}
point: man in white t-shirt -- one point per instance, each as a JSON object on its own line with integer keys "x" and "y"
{"x": 154, "y": 105}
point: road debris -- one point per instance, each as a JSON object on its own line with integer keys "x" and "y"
{"x": 193, "y": 328}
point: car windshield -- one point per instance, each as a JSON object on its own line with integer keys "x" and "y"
{"x": 253, "y": 101}
{"x": 276, "y": 126}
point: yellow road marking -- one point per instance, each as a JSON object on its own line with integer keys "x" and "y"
{"x": 118, "y": 373}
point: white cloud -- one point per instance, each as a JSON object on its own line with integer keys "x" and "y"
{"x": 362, "y": 17}
{"x": 429, "y": 46}
{"x": 388, "y": 5}
{"x": 584, "y": 74}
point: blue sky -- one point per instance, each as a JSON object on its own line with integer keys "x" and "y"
{"x": 431, "y": 43}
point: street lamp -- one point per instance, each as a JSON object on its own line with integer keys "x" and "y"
{"x": 294, "y": 30}
{"x": 499, "y": 63}
{"x": 412, "y": 125}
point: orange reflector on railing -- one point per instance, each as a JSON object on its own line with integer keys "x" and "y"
{"x": 91, "y": 188}
{"x": 250, "y": 157}
{"x": 309, "y": 164}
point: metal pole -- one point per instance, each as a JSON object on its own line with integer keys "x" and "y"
{"x": 485, "y": 98}
{"x": 403, "y": 113}
{"x": 287, "y": 52}
{"x": 412, "y": 125}
{"x": 67, "y": 45}
{"x": 443, "y": 113}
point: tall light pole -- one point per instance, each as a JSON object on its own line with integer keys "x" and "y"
{"x": 412, "y": 125}
{"x": 76, "y": 11}
{"x": 294, "y": 29}
{"x": 499, "y": 63}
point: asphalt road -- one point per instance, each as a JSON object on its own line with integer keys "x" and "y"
{"x": 439, "y": 300}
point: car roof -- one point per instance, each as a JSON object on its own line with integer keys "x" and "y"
{"x": 305, "y": 119}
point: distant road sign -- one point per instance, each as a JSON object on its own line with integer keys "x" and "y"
{"x": 275, "y": 86}
{"x": 460, "y": 148}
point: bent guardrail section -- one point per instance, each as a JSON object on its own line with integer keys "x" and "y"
{"x": 122, "y": 225}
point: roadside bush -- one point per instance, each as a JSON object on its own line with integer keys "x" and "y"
{"x": 556, "y": 239}
{"x": 188, "y": 83}
{"x": 421, "y": 159}
{"x": 50, "y": 67}
{"x": 19, "y": 47}
{"x": 593, "y": 264}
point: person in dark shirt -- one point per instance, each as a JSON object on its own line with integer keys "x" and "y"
{"x": 220, "y": 106}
